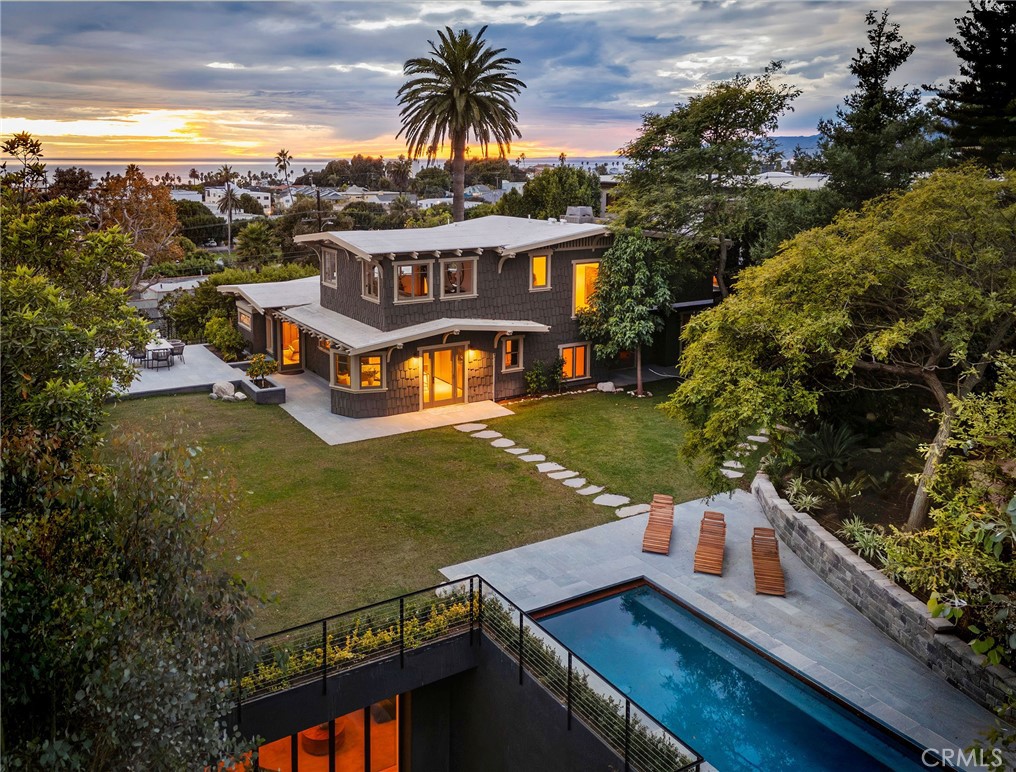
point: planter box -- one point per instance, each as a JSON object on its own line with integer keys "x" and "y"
{"x": 270, "y": 395}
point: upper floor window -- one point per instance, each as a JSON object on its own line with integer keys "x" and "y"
{"x": 511, "y": 358}
{"x": 583, "y": 284}
{"x": 458, "y": 278}
{"x": 372, "y": 281}
{"x": 329, "y": 266}
{"x": 412, "y": 282}
{"x": 539, "y": 272}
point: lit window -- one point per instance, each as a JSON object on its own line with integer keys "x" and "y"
{"x": 412, "y": 281}
{"x": 458, "y": 278}
{"x": 324, "y": 344}
{"x": 584, "y": 285}
{"x": 512, "y": 354}
{"x": 576, "y": 361}
{"x": 342, "y": 371}
{"x": 372, "y": 281}
{"x": 539, "y": 272}
{"x": 269, "y": 335}
{"x": 329, "y": 266}
{"x": 370, "y": 372}
{"x": 243, "y": 318}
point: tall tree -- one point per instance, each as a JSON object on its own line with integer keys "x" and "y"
{"x": 916, "y": 291}
{"x": 978, "y": 111}
{"x": 632, "y": 294}
{"x": 29, "y": 176}
{"x": 881, "y": 138}
{"x": 143, "y": 210}
{"x": 552, "y": 191}
{"x": 399, "y": 171}
{"x": 464, "y": 87}
{"x": 229, "y": 201}
{"x": 258, "y": 243}
{"x": 72, "y": 182}
{"x": 689, "y": 169}
{"x": 283, "y": 160}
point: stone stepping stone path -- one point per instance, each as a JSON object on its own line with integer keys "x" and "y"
{"x": 757, "y": 438}
{"x": 488, "y": 434}
{"x": 549, "y": 466}
{"x": 732, "y": 464}
{"x": 553, "y": 470}
{"x": 733, "y": 474}
{"x": 562, "y": 475}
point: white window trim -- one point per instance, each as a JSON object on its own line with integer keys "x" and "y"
{"x": 546, "y": 287}
{"x": 441, "y": 269}
{"x": 380, "y": 281}
{"x": 589, "y": 363}
{"x": 430, "y": 282}
{"x": 334, "y": 254}
{"x": 247, "y": 309}
{"x": 573, "y": 283}
{"x": 521, "y": 364}
{"x": 384, "y": 373}
{"x": 354, "y": 373}
{"x": 270, "y": 334}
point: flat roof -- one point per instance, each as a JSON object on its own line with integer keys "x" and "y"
{"x": 506, "y": 234}
{"x": 277, "y": 294}
{"x": 358, "y": 338}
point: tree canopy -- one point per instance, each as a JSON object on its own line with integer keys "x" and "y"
{"x": 688, "y": 169}
{"x": 978, "y": 110}
{"x": 916, "y": 291}
{"x": 463, "y": 88}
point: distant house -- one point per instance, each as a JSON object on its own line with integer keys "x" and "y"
{"x": 405, "y": 320}
{"x": 214, "y": 194}
{"x": 792, "y": 181}
{"x": 185, "y": 195}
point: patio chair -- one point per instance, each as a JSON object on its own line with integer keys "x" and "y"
{"x": 138, "y": 356}
{"x": 660, "y": 525}
{"x": 712, "y": 538}
{"x": 177, "y": 347}
{"x": 765, "y": 555}
{"x": 159, "y": 357}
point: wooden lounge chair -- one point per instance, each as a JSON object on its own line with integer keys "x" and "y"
{"x": 661, "y": 523}
{"x": 765, "y": 555}
{"x": 712, "y": 537}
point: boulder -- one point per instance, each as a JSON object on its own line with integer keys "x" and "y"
{"x": 239, "y": 396}
{"x": 223, "y": 389}
{"x": 606, "y": 387}
{"x": 213, "y": 395}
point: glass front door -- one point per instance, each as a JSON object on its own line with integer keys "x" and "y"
{"x": 444, "y": 376}
{"x": 290, "y": 347}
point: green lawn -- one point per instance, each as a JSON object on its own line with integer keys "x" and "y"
{"x": 329, "y": 528}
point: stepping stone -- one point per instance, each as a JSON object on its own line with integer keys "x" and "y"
{"x": 533, "y": 457}
{"x": 549, "y": 466}
{"x": 731, "y": 473}
{"x": 730, "y": 464}
{"x": 503, "y": 442}
{"x": 589, "y": 490}
{"x": 751, "y": 438}
{"x": 575, "y": 482}
{"x": 747, "y": 446}
{"x": 784, "y": 429}
{"x": 515, "y": 451}
{"x": 634, "y": 509}
{"x": 471, "y": 427}
{"x": 489, "y": 434}
{"x": 611, "y": 500}
{"x": 562, "y": 475}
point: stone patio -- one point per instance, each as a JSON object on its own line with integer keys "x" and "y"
{"x": 198, "y": 370}
{"x": 811, "y": 629}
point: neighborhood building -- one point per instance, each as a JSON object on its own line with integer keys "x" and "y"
{"x": 405, "y": 320}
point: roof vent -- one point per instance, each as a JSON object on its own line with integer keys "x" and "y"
{"x": 579, "y": 214}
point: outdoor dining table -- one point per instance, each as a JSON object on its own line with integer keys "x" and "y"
{"x": 159, "y": 345}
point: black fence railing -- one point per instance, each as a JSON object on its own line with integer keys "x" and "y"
{"x": 387, "y": 630}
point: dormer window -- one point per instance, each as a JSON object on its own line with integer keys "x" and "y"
{"x": 329, "y": 267}
{"x": 458, "y": 278}
{"x": 371, "y": 277}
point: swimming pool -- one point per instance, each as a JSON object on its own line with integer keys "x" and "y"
{"x": 738, "y": 710}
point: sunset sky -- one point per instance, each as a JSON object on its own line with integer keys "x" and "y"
{"x": 207, "y": 80}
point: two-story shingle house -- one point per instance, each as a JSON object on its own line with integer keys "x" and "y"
{"x": 404, "y": 320}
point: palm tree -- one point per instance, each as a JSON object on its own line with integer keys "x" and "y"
{"x": 282, "y": 162}
{"x": 229, "y": 201}
{"x": 463, "y": 87}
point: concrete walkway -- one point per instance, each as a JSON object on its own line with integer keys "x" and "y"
{"x": 198, "y": 370}
{"x": 811, "y": 629}
{"x": 308, "y": 400}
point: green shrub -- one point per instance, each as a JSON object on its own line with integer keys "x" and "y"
{"x": 260, "y": 368}
{"x": 221, "y": 333}
{"x": 544, "y": 376}
{"x": 829, "y": 451}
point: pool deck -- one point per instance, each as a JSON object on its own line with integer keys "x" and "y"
{"x": 812, "y": 629}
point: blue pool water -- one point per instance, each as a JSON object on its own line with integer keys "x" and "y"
{"x": 732, "y": 706}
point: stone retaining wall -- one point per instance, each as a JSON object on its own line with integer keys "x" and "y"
{"x": 892, "y": 609}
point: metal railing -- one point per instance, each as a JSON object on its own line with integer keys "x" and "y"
{"x": 305, "y": 653}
